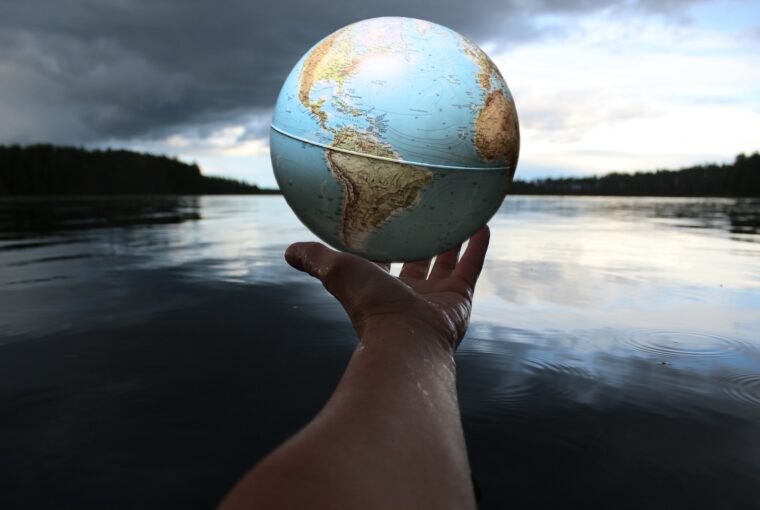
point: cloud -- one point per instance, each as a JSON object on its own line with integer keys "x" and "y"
{"x": 754, "y": 33}
{"x": 76, "y": 71}
{"x": 632, "y": 95}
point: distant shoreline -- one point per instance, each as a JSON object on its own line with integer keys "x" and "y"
{"x": 47, "y": 170}
{"x": 620, "y": 195}
{"x": 738, "y": 179}
{"x": 276, "y": 192}
{"x": 103, "y": 196}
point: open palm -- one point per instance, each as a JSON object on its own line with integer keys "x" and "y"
{"x": 440, "y": 300}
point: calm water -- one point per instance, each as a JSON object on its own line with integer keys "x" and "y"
{"x": 153, "y": 349}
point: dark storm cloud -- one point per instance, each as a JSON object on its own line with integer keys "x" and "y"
{"x": 78, "y": 71}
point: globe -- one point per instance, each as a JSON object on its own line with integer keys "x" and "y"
{"x": 394, "y": 139}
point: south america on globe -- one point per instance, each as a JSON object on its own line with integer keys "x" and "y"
{"x": 394, "y": 139}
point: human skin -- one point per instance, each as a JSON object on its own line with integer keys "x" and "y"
{"x": 390, "y": 436}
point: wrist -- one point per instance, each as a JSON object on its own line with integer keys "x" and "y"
{"x": 405, "y": 331}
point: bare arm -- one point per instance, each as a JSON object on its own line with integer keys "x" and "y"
{"x": 390, "y": 436}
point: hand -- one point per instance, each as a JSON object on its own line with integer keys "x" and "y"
{"x": 372, "y": 296}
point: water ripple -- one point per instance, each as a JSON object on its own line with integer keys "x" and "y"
{"x": 679, "y": 344}
{"x": 539, "y": 380}
{"x": 562, "y": 370}
{"x": 743, "y": 388}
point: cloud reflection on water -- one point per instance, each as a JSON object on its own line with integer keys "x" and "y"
{"x": 610, "y": 340}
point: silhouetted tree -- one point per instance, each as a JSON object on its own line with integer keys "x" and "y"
{"x": 51, "y": 170}
{"x": 740, "y": 179}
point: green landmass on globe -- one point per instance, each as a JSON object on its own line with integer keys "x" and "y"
{"x": 395, "y": 139}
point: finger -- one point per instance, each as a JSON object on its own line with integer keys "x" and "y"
{"x": 342, "y": 274}
{"x": 445, "y": 263}
{"x": 416, "y": 270}
{"x": 385, "y": 266}
{"x": 471, "y": 263}
{"x": 312, "y": 258}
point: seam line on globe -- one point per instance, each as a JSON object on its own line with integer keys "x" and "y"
{"x": 383, "y": 158}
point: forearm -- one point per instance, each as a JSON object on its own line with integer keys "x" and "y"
{"x": 397, "y": 405}
{"x": 390, "y": 436}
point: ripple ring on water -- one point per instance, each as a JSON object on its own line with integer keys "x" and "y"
{"x": 743, "y": 388}
{"x": 680, "y": 344}
{"x": 541, "y": 379}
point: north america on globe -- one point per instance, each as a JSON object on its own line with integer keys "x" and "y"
{"x": 394, "y": 139}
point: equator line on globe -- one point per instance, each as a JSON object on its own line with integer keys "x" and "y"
{"x": 394, "y": 139}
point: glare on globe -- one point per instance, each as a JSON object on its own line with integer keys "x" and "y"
{"x": 394, "y": 139}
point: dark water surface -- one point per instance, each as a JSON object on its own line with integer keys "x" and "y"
{"x": 151, "y": 350}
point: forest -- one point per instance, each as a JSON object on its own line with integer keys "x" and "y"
{"x": 52, "y": 170}
{"x": 738, "y": 179}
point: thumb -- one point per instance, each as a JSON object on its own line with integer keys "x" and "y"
{"x": 331, "y": 267}
{"x": 309, "y": 257}
{"x": 347, "y": 277}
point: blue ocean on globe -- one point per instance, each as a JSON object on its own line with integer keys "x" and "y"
{"x": 394, "y": 139}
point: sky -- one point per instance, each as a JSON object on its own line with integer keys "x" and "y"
{"x": 599, "y": 85}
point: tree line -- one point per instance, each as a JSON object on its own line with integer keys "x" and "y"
{"x": 738, "y": 179}
{"x": 53, "y": 170}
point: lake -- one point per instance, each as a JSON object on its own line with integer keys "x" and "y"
{"x": 152, "y": 349}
